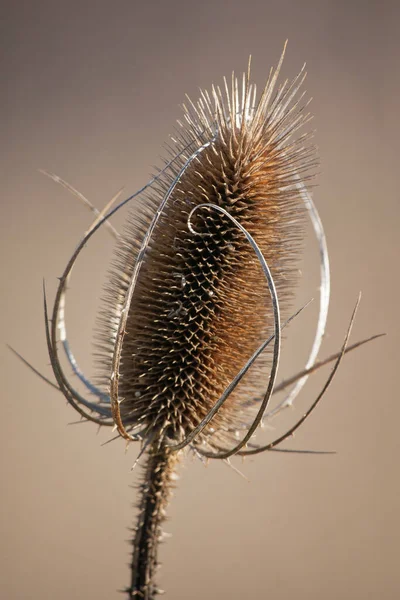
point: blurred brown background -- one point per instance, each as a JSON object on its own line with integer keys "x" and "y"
{"x": 91, "y": 91}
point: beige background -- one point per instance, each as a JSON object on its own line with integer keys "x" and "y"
{"x": 91, "y": 91}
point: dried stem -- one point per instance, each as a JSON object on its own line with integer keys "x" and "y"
{"x": 155, "y": 492}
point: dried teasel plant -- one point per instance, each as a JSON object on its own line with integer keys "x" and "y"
{"x": 200, "y": 290}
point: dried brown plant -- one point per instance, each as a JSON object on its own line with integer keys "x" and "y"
{"x": 190, "y": 329}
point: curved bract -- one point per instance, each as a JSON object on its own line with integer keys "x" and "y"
{"x": 58, "y": 325}
{"x": 276, "y": 337}
{"x": 324, "y": 295}
{"x": 124, "y": 310}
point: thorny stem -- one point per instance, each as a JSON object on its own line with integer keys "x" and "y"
{"x": 155, "y": 492}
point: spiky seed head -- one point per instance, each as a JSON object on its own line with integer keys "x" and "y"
{"x": 200, "y": 306}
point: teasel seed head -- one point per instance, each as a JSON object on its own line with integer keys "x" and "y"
{"x": 187, "y": 303}
{"x": 190, "y": 332}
